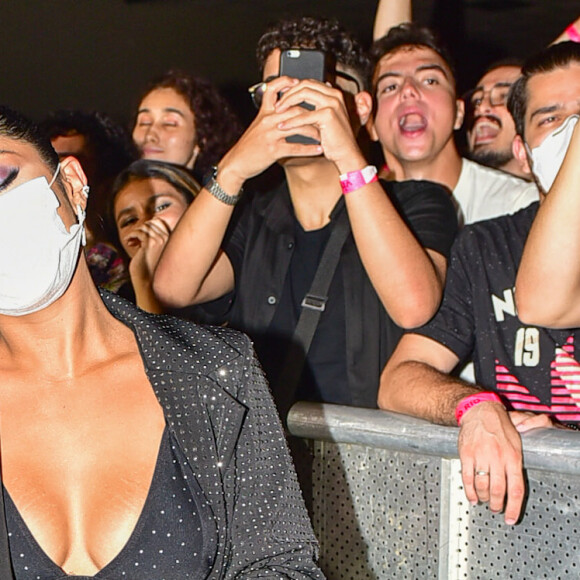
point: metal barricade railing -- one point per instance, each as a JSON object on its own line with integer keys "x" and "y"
{"x": 388, "y": 502}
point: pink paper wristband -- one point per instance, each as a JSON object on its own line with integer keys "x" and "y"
{"x": 471, "y": 400}
{"x": 573, "y": 33}
{"x": 356, "y": 179}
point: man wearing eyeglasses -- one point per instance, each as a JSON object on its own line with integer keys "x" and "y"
{"x": 490, "y": 127}
{"x": 391, "y": 268}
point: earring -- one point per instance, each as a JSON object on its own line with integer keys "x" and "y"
{"x": 81, "y": 219}
{"x": 86, "y": 190}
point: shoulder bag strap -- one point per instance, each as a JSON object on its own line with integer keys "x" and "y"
{"x": 313, "y": 305}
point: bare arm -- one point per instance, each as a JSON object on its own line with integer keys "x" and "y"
{"x": 408, "y": 279}
{"x": 566, "y": 35}
{"x": 415, "y": 382}
{"x": 548, "y": 281}
{"x": 391, "y": 13}
{"x": 193, "y": 269}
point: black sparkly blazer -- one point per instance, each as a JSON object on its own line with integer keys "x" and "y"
{"x": 217, "y": 404}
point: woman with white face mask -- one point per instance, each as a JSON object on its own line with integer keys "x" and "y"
{"x": 110, "y": 461}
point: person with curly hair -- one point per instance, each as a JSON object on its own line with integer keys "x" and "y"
{"x": 393, "y": 244}
{"x": 184, "y": 119}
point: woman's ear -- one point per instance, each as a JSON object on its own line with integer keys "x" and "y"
{"x": 75, "y": 181}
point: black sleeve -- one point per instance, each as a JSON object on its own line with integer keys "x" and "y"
{"x": 427, "y": 210}
{"x": 453, "y": 325}
{"x": 235, "y": 238}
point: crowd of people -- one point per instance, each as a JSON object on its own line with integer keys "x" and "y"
{"x": 141, "y": 446}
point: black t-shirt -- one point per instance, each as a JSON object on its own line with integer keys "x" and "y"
{"x": 274, "y": 262}
{"x": 534, "y": 368}
{"x": 324, "y": 377}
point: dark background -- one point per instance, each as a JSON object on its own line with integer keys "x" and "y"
{"x": 99, "y": 54}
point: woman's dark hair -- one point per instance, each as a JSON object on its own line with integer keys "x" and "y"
{"x": 176, "y": 175}
{"x": 327, "y": 35}
{"x": 16, "y": 126}
{"x": 550, "y": 58}
{"x": 217, "y": 127}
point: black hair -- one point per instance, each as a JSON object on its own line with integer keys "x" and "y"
{"x": 410, "y": 35}
{"x": 508, "y": 61}
{"x": 326, "y": 35}
{"x": 108, "y": 142}
{"x": 555, "y": 56}
{"x": 14, "y": 125}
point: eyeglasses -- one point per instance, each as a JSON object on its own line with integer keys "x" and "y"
{"x": 257, "y": 91}
{"x": 497, "y": 95}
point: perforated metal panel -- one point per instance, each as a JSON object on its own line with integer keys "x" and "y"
{"x": 375, "y": 512}
{"x": 388, "y": 501}
{"x": 544, "y": 545}
{"x": 378, "y": 515}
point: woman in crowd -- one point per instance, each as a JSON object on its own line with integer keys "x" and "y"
{"x": 133, "y": 446}
{"x": 184, "y": 120}
{"x": 148, "y": 199}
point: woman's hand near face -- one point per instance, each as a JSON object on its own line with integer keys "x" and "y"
{"x": 153, "y": 236}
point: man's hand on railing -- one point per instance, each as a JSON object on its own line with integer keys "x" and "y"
{"x": 490, "y": 450}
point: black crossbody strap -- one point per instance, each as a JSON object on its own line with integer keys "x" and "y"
{"x": 313, "y": 305}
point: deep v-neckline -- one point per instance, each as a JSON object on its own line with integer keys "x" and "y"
{"x": 49, "y": 562}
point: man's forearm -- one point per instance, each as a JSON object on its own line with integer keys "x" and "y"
{"x": 407, "y": 279}
{"x": 390, "y": 13}
{"x": 191, "y": 253}
{"x": 418, "y": 389}
{"x": 548, "y": 281}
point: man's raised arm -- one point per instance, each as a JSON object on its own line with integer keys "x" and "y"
{"x": 548, "y": 281}
{"x": 193, "y": 269}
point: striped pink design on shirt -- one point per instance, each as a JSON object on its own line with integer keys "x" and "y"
{"x": 564, "y": 383}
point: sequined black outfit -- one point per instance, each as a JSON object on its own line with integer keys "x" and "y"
{"x": 219, "y": 411}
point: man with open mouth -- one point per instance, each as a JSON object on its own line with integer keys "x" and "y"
{"x": 490, "y": 127}
{"x": 417, "y": 111}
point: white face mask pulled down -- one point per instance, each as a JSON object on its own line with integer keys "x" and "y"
{"x": 38, "y": 256}
{"x": 549, "y": 155}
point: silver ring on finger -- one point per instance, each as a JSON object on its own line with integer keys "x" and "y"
{"x": 481, "y": 472}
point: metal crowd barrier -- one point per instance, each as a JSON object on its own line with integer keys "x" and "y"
{"x": 388, "y": 502}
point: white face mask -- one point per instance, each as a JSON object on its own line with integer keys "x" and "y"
{"x": 548, "y": 156}
{"x": 37, "y": 255}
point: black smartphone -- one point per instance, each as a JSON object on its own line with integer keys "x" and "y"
{"x": 301, "y": 63}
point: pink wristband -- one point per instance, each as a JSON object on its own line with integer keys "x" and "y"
{"x": 471, "y": 400}
{"x": 356, "y": 179}
{"x": 573, "y": 33}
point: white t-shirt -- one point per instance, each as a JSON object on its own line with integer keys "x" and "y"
{"x": 485, "y": 193}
